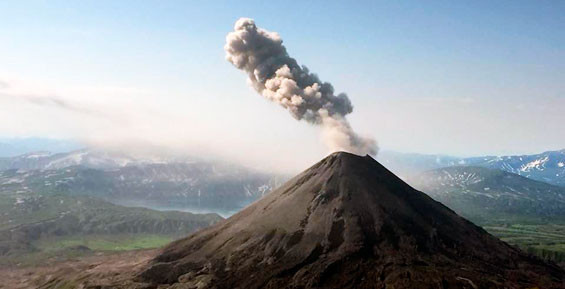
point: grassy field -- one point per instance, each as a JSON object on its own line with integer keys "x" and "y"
{"x": 45, "y": 228}
{"x": 57, "y": 249}
{"x": 104, "y": 242}
{"x": 546, "y": 241}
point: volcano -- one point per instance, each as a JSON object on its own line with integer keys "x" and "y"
{"x": 346, "y": 222}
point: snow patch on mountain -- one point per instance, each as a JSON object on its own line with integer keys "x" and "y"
{"x": 37, "y": 155}
{"x": 19, "y": 201}
{"x": 538, "y": 164}
{"x": 458, "y": 179}
{"x": 68, "y": 160}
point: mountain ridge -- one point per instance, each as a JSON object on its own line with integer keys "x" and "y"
{"x": 548, "y": 166}
{"x": 202, "y": 186}
{"x": 32, "y": 225}
{"x": 482, "y": 193}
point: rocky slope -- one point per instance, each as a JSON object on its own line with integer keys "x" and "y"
{"x": 346, "y": 222}
{"x": 92, "y": 272}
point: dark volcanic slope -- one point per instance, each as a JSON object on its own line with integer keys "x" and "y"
{"x": 347, "y": 222}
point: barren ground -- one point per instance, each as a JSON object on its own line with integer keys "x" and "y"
{"x": 105, "y": 269}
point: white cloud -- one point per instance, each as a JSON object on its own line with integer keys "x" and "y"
{"x": 158, "y": 122}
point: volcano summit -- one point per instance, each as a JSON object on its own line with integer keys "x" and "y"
{"x": 347, "y": 222}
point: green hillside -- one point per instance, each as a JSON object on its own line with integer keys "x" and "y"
{"x": 488, "y": 195}
{"x": 41, "y": 225}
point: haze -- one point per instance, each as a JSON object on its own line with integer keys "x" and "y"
{"x": 464, "y": 79}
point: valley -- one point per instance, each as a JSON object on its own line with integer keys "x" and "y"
{"x": 546, "y": 241}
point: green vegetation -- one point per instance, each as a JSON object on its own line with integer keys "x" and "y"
{"x": 36, "y": 257}
{"x": 483, "y": 195}
{"x": 546, "y": 241}
{"x": 92, "y": 215}
{"x": 51, "y": 249}
{"x": 104, "y": 242}
{"x": 37, "y": 228}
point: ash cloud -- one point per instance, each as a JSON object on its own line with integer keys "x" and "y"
{"x": 279, "y": 78}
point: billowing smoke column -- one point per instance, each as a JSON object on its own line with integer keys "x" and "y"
{"x": 278, "y": 77}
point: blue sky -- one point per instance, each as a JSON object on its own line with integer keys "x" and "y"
{"x": 454, "y": 77}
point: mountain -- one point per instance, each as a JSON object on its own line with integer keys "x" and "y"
{"x": 10, "y": 147}
{"x": 484, "y": 195}
{"x": 547, "y": 167}
{"x": 194, "y": 185}
{"x": 31, "y": 222}
{"x": 346, "y": 222}
{"x": 45, "y": 160}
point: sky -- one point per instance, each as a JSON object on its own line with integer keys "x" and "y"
{"x": 461, "y": 78}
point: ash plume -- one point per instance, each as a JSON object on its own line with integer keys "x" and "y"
{"x": 278, "y": 77}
